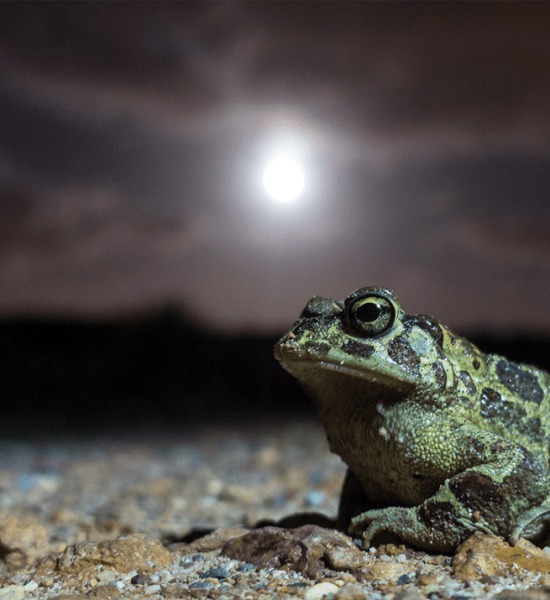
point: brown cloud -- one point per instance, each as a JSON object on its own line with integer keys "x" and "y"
{"x": 130, "y": 139}
{"x": 392, "y": 71}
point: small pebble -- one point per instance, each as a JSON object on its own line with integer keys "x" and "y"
{"x": 200, "y": 585}
{"x": 401, "y": 558}
{"x": 404, "y": 579}
{"x": 246, "y": 568}
{"x": 140, "y": 579}
{"x": 216, "y": 573}
{"x": 197, "y": 557}
{"x": 106, "y": 576}
{"x": 315, "y": 498}
{"x": 321, "y": 590}
{"x": 151, "y": 589}
{"x": 12, "y": 592}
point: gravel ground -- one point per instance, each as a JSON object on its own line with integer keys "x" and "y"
{"x": 114, "y": 517}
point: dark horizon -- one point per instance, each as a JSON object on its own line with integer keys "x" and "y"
{"x": 161, "y": 370}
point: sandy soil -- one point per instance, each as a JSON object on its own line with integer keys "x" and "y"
{"x": 71, "y": 509}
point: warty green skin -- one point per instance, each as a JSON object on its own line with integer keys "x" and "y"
{"x": 441, "y": 440}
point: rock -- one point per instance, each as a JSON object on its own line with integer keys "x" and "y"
{"x": 430, "y": 582}
{"x": 351, "y": 592}
{"x": 12, "y": 592}
{"x": 22, "y": 540}
{"x": 386, "y": 571}
{"x": 131, "y": 553}
{"x": 412, "y": 594}
{"x": 392, "y": 550}
{"x": 200, "y": 585}
{"x": 103, "y": 592}
{"x": 140, "y": 579}
{"x": 309, "y": 549}
{"x": 246, "y": 568}
{"x": 152, "y": 589}
{"x": 484, "y": 556}
{"x": 321, "y": 590}
{"x": 315, "y": 498}
{"x": 215, "y": 573}
{"x": 212, "y": 541}
{"x": 533, "y": 594}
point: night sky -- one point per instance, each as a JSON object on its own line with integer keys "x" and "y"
{"x": 133, "y": 138}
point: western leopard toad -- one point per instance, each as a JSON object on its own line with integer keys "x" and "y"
{"x": 439, "y": 438}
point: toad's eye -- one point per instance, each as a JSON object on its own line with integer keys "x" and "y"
{"x": 371, "y": 315}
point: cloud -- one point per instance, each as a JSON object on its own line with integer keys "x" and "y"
{"x": 408, "y": 78}
{"x": 130, "y": 142}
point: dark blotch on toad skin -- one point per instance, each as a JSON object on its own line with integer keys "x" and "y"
{"x": 357, "y": 349}
{"x": 468, "y": 382}
{"x": 311, "y": 325}
{"x": 490, "y": 403}
{"x": 535, "y": 429}
{"x": 482, "y": 494}
{"x": 519, "y": 381}
{"x": 494, "y": 406}
{"x": 401, "y": 352}
{"x": 319, "y": 348}
{"x": 439, "y": 515}
{"x": 440, "y": 375}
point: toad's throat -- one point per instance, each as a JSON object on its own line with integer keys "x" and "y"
{"x": 332, "y": 384}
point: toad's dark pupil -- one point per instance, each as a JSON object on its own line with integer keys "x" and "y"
{"x": 368, "y": 312}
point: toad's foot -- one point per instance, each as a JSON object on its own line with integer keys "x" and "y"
{"x": 532, "y": 524}
{"x": 412, "y": 525}
{"x": 373, "y": 522}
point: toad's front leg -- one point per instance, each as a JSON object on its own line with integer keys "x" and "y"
{"x": 492, "y": 497}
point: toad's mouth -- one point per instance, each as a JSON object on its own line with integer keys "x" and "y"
{"x": 314, "y": 372}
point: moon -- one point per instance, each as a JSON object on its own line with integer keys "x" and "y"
{"x": 283, "y": 180}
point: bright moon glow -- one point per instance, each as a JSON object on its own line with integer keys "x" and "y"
{"x": 283, "y": 180}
